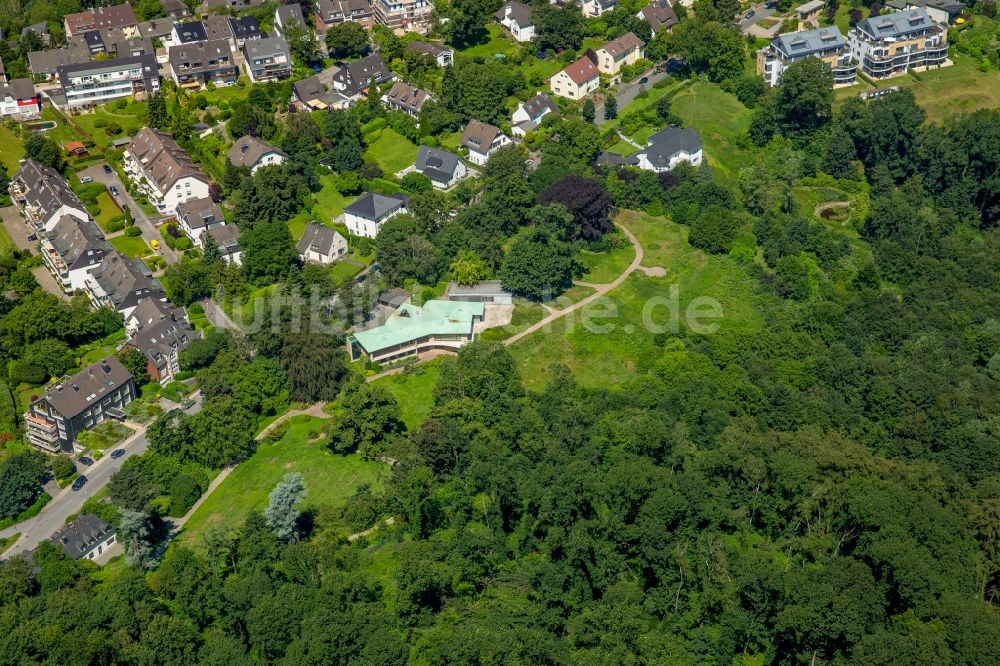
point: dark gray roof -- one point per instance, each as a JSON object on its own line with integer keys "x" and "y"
{"x": 158, "y": 339}
{"x": 227, "y": 236}
{"x": 46, "y": 189}
{"x": 72, "y": 396}
{"x": 79, "y": 243}
{"x": 520, "y": 12}
{"x": 356, "y": 76}
{"x": 897, "y": 24}
{"x": 126, "y": 281}
{"x": 47, "y": 62}
{"x": 156, "y": 28}
{"x": 93, "y": 40}
{"x": 668, "y": 142}
{"x": 147, "y": 61}
{"x": 39, "y": 29}
{"x": 268, "y": 47}
{"x": 290, "y": 15}
{"x": 438, "y": 165}
{"x": 803, "y": 43}
{"x": 374, "y": 206}
{"x": 429, "y": 48}
{"x": 614, "y": 159}
{"x": 192, "y": 31}
{"x": 203, "y": 53}
{"x": 950, "y": 6}
{"x": 245, "y": 27}
{"x": 82, "y": 535}
{"x": 18, "y": 88}
{"x": 659, "y": 14}
{"x": 536, "y": 106}
{"x": 134, "y": 47}
{"x": 200, "y": 213}
{"x": 318, "y": 238}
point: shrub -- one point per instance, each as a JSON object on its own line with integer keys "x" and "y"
{"x": 373, "y": 126}
{"x": 113, "y": 128}
{"x": 63, "y": 467}
{"x": 133, "y": 231}
{"x": 101, "y": 122}
{"x": 22, "y": 371}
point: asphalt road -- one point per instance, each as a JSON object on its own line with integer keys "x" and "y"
{"x": 627, "y": 93}
{"x": 35, "y": 530}
{"x": 148, "y": 226}
{"x": 760, "y": 12}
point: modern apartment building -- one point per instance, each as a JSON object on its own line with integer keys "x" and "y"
{"x": 827, "y": 44}
{"x": 78, "y": 403}
{"x": 334, "y": 12}
{"x": 42, "y": 196}
{"x": 195, "y": 64}
{"x": 90, "y": 83}
{"x": 408, "y": 15}
{"x": 160, "y": 168}
{"x": 889, "y": 45}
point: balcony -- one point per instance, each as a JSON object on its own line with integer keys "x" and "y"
{"x": 42, "y": 432}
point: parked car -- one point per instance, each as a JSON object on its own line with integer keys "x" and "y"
{"x": 86, "y": 179}
{"x": 644, "y": 79}
{"x": 114, "y": 191}
{"x": 86, "y": 461}
{"x": 750, "y": 14}
{"x": 107, "y": 169}
{"x": 80, "y": 482}
{"x": 117, "y": 453}
{"x": 155, "y": 244}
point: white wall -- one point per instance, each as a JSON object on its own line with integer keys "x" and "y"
{"x": 267, "y": 159}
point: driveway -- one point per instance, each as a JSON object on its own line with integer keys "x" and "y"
{"x": 69, "y": 502}
{"x": 218, "y": 316}
{"x": 748, "y": 26}
{"x": 626, "y": 93}
{"x": 147, "y": 225}
{"x": 18, "y": 229}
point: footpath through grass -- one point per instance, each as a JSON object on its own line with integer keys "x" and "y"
{"x": 330, "y": 479}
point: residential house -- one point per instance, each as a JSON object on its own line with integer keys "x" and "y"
{"x": 309, "y": 94}
{"x": 85, "y": 538}
{"x": 406, "y": 98}
{"x": 91, "y": 83}
{"x": 191, "y": 32}
{"x": 516, "y": 18}
{"x": 126, "y": 48}
{"x": 161, "y": 334}
{"x": 232, "y": 6}
{"x": 218, "y": 26}
{"x": 175, "y": 9}
{"x": 353, "y": 80}
{"x": 161, "y": 29}
{"x": 196, "y": 216}
{"x": 668, "y": 148}
{"x": 251, "y": 152}
{"x": 40, "y": 29}
{"x": 103, "y": 19}
{"x": 405, "y": 15}
{"x": 120, "y": 283}
{"x": 72, "y": 249}
{"x": 366, "y": 214}
{"x": 618, "y": 53}
{"x": 442, "y": 167}
{"x": 528, "y": 115}
{"x": 244, "y": 29}
{"x": 78, "y": 403}
{"x": 827, "y": 44}
{"x": 42, "y": 196}
{"x": 578, "y": 80}
{"x": 891, "y": 44}
{"x": 19, "y": 98}
{"x": 443, "y": 55}
{"x": 196, "y": 64}
{"x": 659, "y": 14}
{"x": 227, "y": 238}
{"x": 46, "y": 63}
{"x": 595, "y": 8}
{"x": 941, "y": 11}
{"x": 160, "y": 168}
{"x": 482, "y": 140}
{"x": 93, "y": 41}
{"x": 321, "y": 244}
{"x": 334, "y": 12}
{"x": 268, "y": 59}
{"x": 809, "y": 12}
{"x": 145, "y": 313}
{"x": 289, "y": 15}
{"x": 485, "y": 291}
{"x": 412, "y": 330}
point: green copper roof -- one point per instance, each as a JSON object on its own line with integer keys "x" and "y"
{"x": 411, "y": 322}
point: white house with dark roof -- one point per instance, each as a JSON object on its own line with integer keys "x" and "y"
{"x": 595, "y": 8}
{"x": 245, "y": 29}
{"x": 366, "y": 214}
{"x": 516, "y": 18}
{"x": 286, "y": 16}
{"x": 482, "y": 140}
{"x": 227, "y": 238}
{"x": 443, "y": 168}
{"x": 353, "y": 79}
{"x": 161, "y": 333}
{"x": 86, "y": 538}
{"x": 160, "y": 168}
{"x": 668, "y": 148}
{"x": 19, "y": 98}
{"x": 254, "y": 153}
{"x": 320, "y": 244}
{"x": 197, "y": 216}
{"x": 72, "y": 249}
{"x": 406, "y": 98}
{"x": 42, "y": 196}
{"x": 528, "y": 115}
{"x": 444, "y": 56}
{"x": 120, "y": 283}
{"x": 659, "y": 14}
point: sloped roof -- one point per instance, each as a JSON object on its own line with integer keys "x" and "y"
{"x": 290, "y": 15}
{"x": 519, "y": 12}
{"x": 438, "y": 165}
{"x": 18, "y": 89}
{"x": 669, "y": 141}
{"x": 659, "y": 15}
{"x": 192, "y": 31}
{"x": 429, "y": 48}
{"x": 48, "y": 61}
{"x": 479, "y": 136}
{"x": 318, "y": 238}
{"x": 72, "y": 396}
{"x": 407, "y": 96}
{"x": 623, "y": 44}
{"x": 808, "y": 41}
{"x": 375, "y": 206}
{"x": 897, "y": 24}
{"x": 46, "y": 189}
{"x": 78, "y": 242}
{"x": 537, "y": 105}
{"x": 248, "y": 150}
{"x": 582, "y": 70}
{"x": 79, "y": 537}
{"x": 245, "y": 27}
{"x": 157, "y": 340}
{"x": 200, "y": 213}
{"x": 356, "y": 76}
{"x": 162, "y": 161}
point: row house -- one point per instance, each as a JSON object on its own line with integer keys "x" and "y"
{"x": 891, "y": 44}
{"x": 72, "y": 250}
{"x": 78, "y": 403}
{"x": 42, "y": 196}
{"x": 20, "y": 99}
{"x": 268, "y": 60}
{"x": 160, "y": 332}
{"x": 91, "y": 83}
{"x": 121, "y": 283}
{"x": 195, "y": 65}
{"x": 160, "y": 168}
{"x": 827, "y": 44}
{"x": 103, "y": 19}
{"x": 334, "y": 12}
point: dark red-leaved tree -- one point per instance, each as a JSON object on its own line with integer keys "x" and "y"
{"x": 587, "y": 200}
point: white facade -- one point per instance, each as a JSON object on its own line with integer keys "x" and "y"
{"x": 184, "y": 189}
{"x": 595, "y": 8}
{"x": 361, "y": 226}
{"x": 692, "y": 158}
{"x": 267, "y": 159}
{"x": 564, "y": 86}
{"x": 97, "y": 83}
{"x": 480, "y": 158}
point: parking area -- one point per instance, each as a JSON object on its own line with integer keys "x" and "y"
{"x": 18, "y": 229}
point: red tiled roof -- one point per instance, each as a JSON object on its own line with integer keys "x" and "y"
{"x": 582, "y": 70}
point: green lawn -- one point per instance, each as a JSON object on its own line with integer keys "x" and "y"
{"x": 526, "y": 313}
{"x": 606, "y": 266}
{"x": 109, "y": 210}
{"x": 329, "y": 202}
{"x": 132, "y": 246}
{"x": 721, "y": 119}
{"x": 626, "y": 346}
{"x": 297, "y": 225}
{"x": 452, "y": 141}
{"x": 393, "y": 151}
{"x": 130, "y": 120}
{"x": 574, "y": 294}
{"x": 343, "y": 270}
{"x": 6, "y": 242}
{"x": 104, "y": 436}
{"x": 498, "y": 43}
{"x": 227, "y": 93}
{"x": 330, "y": 479}
{"x": 414, "y": 390}
{"x": 11, "y": 150}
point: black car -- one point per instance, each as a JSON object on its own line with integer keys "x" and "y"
{"x": 86, "y": 461}
{"x": 117, "y": 453}
{"x": 644, "y": 79}
{"x": 80, "y": 482}
{"x": 107, "y": 169}
{"x": 114, "y": 191}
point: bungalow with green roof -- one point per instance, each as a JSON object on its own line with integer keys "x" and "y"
{"x": 413, "y": 329}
